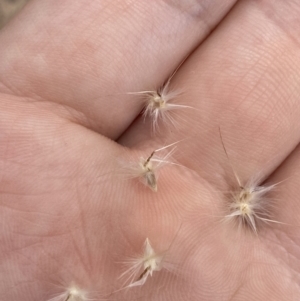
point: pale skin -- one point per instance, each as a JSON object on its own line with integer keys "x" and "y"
{"x": 66, "y": 120}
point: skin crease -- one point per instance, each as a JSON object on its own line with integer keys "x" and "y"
{"x": 67, "y": 214}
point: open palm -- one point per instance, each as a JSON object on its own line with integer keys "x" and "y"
{"x": 68, "y": 125}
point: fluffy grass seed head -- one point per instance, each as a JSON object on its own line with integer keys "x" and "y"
{"x": 143, "y": 266}
{"x": 159, "y": 107}
{"x": 158, "y": 104}
{"x": 249, "y": 203}
{"x": 146, "y": 170}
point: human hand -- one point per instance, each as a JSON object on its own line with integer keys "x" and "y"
{"x": 68, "y": 216}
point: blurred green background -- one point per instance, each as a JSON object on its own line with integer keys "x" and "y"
{"x": 8, "y": 8}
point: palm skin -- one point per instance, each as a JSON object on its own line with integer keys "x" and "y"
{"x": 68, "y": 216}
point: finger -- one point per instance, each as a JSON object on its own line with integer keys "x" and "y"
{"x": 243, "y": 78}
{"x": 87, "y": 57}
